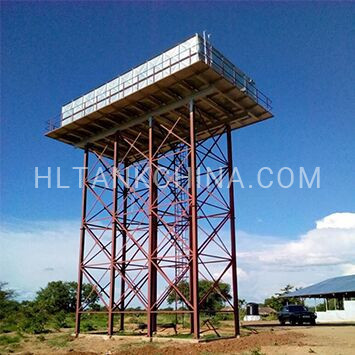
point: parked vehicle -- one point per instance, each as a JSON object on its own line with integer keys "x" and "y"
{"x": 295, "y": 314}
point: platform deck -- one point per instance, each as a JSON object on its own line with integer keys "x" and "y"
{"x": 221, "y": 94}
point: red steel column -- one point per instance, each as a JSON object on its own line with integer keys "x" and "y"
{"x": 193, "y": 226}
{"x": 233, "y": 238}
{"x": 113, "y": 236}
{"x": 191, "y": 273}
{"x": 153, "y": 235}
{"x": 82, "y": 242}
{"x": 124, "y": 241}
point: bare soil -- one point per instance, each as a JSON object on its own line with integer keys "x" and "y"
{"x": 259, "y": 338}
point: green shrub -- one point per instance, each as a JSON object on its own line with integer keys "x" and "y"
{"x": 7, "y": 339}
{"x": 224, "y": 316}
{"x": 9, "y": 324}
{"x": 60, "y": 320}
{"x": 215, "y": 321}
{"x": 88, "y": 326}
{"x": 33, "y": 319}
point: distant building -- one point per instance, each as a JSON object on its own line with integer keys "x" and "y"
{"x": 252, "y": 312}
{"x": 339, "y": 296}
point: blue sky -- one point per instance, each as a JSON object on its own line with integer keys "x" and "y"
{"x": 300, "y": 54}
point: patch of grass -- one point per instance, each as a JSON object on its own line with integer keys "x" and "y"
{"x": 60, "y": 341}
{"x": 271, "y": 316}
{"x": 94, "y": 322}
{"x": 210, "y": 337}
{"x": 8, "y": 339}
{"x": 8, "y": 325}
{"x": 168, "y": 318}
{"x": 127, "y": 333}
{"x": 88, "y": 326}
{"x": 224, "y": 316}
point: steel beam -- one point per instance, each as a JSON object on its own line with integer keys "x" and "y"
{"x": 193, "y": 220}
{"x": 114, "y": 235}
{"x": 191, "y": 275}
{"x": 82, "y": 242}
{"x": 138, "y": 120}
{"x": 232, "y": 233}
{"x": 124, "y": 247}
{"x": 153, "y": 233}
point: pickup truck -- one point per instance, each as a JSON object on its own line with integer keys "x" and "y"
{"x": 295, "y": 314}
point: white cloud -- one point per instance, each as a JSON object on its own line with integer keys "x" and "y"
{"x": 33, "y": 254}
{"x": 340, "y": 220}
{"x": 323, "y": 252}
{"x": 227, "y": 277}
{"x": 348, "y": 269}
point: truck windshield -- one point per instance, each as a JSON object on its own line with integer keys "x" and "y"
{"x": 297, "y": 308}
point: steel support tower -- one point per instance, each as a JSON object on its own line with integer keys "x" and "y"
{"x": 158, "y": 198}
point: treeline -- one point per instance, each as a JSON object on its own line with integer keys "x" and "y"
{"x": 51, "y": 305}
{"x": 54, "y": 306}
{"x": 277, "y": 301}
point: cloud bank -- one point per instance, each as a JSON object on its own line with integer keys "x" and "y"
{"x": 327, "y": 250}
{"x": 33, "y": 254}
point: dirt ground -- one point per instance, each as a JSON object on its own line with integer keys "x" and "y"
{"x": 262, "y": 338}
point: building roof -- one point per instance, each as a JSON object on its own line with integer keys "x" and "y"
{"x": 337, "y": 285}
{"x": 266, "y": 310}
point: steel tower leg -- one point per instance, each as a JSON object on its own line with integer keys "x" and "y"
{"x": 193, "y": 235}
{"x": 124, "y": 241}
{"x": 152, "y": 256}
{"x": 82, "y": 243}
{"x": 191, "y": 273}
{"x": 233, "y": 237}
{"x": 114, "y": 236}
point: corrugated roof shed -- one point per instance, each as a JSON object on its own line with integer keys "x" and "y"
{"x": 265, "y": 311}
{"x": 336, "y": 285}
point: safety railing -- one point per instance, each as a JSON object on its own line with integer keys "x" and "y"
{"x": 185, "y": 58}
{"x": 226, "y": 68}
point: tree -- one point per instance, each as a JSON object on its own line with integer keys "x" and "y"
{"x": 215, "y": 300}
{"x": 61, "y": 296}
{"x": 277, "y": 302}
{"x": 242, "y": 303}
{"x": 7, "y": 302}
